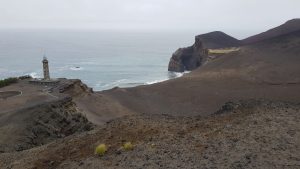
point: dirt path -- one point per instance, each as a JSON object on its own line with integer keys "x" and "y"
{"x": 7, "y": 94}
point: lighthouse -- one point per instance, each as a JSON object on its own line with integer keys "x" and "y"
{"x": 46, "y": 81}
{"x": 46, "y": 68}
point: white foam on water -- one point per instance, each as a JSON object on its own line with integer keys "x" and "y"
{"x": 70, "y": 67}
{"x": 155, "y": 81}
{"x": 63, "y": 68}
{"x": 76, "y": 68}
{"x": 34, "y": 75}
{"x": 112, "y": 84}
{"x": 86, "y": 63}
{"x": 131, "y": 83}
{"x": 172, "y": 75}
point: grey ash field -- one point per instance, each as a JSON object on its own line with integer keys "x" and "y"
{"x": 237, "y": 109}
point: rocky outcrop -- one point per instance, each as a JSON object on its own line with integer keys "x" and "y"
{"x": 40, "y": 124}
{"x": 186, "y": 59}
{"x": 73, "y": 87}
{"x": 196, "y": 55}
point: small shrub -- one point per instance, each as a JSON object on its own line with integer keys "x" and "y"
{"x": 128, "y": 146}
{"x": 101, "y": 149}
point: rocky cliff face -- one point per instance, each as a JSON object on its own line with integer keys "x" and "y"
{"x": 196, "y": 55}
{"x": 40, "y": 124}
{"x": 74, "y": 87}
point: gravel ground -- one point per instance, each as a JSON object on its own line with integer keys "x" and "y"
{"x": 246, "y": 134}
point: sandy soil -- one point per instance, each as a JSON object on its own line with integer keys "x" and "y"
{"x": 31, "y": 95}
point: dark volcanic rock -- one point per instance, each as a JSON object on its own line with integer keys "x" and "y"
{"x": 194, "y": 56}
{"x": 41, "y": 124}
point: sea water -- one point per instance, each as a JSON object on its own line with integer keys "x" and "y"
{"x": 101, "y": 59}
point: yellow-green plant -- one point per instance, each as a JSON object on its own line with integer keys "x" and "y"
{"x": 223, "y": 50}
{"x": 101, "y": 149}
{"x": 128, "y": 146}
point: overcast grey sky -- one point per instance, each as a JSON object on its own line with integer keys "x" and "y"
{"x": 173, "y": 15}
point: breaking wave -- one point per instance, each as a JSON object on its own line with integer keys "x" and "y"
{"x": 70, "y": 67}
{"x": 133, "y": 83}
{"x": 34, "y": 75}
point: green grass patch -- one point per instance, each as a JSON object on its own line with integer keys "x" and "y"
{"x": 8, "y": 81}
{"x": 222, "y": 50}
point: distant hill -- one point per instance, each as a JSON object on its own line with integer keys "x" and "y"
{"x": 217, "y": 39}
{"x": 273, "y": 60}
{"x": 288, "y": 27}
{"x": 195, "y": 56}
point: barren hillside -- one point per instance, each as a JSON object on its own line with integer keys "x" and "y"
{"x": 286, "y": 28}
{"x": 246, "y": 134}
{"x": 268, "y": 69}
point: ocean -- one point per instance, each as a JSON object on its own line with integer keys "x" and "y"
{"x": 101, "y": 59}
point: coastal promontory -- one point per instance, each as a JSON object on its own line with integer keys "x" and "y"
{"x": 187, "y": 59}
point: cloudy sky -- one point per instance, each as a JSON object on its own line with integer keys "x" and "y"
{"x": 226, "y": 15}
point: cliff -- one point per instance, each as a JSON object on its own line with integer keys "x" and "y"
{"x": 196, "y": 55}
{"x": 40, "y": 124}
{"x": 33, "y": 114}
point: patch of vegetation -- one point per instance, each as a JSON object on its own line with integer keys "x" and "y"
{"x": 8, "y": 81}
{"x": 222, "y": 50}
{"x": 128, "y": 146}
{"x": 101, "y": 149}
